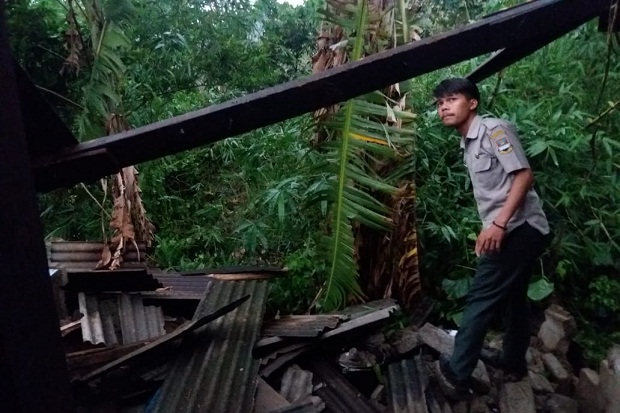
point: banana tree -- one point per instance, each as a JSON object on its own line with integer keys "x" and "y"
{"x": 103, "y": 111}
{"x": 372, "y": 244}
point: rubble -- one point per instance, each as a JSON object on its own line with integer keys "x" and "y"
{"x": 558, "y": 329}
{"x": 230, "y": 358}
{"x": 517, "y": 397}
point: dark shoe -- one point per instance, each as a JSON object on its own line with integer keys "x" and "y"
{"x": 512, "y": 372}
{"x": 452, "y": 387}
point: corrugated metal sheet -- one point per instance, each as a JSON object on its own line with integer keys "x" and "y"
{"x": 278, "y": 351}
{"x": 339, "y": 395}
{"x": 122, "y": 319}
{"x": 312, "y": 404}
{"x": 81, "y": 255}
{"x": 182, "y": 287}
{"x": 301, "y": 325}
{"x": 296, "y": 384}
{"x": 407, "y": 382}
{"x": 215, "y": 371}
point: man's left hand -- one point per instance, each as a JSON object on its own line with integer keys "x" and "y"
{"x": 489, "y": 240}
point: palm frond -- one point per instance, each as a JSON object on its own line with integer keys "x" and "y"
{"x": 364, "y": 134}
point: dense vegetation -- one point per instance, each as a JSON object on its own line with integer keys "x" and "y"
{"x": 245, "y": 200}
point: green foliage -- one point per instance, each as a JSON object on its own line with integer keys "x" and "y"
{"x": 249, "y": 199}
{"x": 295, "y": 292}
{"x": 552, "y": 98}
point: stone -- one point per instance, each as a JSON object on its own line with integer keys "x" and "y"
{"x": 533, "y": 357}
{"x": 405, "y": 341}
{"x": 443, "y": 342}
{"x": 588, "y": 392}
{"x": 517, "y": 397}
{"x": 539, "y": 383}
{"x": 479, "y": 405}
{"x": 461, "y": 407}
{"x": 556, "y": 403}
{"x": 610, "y": 386}
{"x": 558, "y": 373}
{"x": 557, "y": 330}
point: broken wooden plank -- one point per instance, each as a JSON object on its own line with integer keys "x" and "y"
{"x": 178, "y": 333}
{"x": 135, "y": 279}
{"x": 280, "y": 356}
{"x": 270, "y": 345}
{"x": 69, "y": 327}
{"x": 100, "y": 355}
{"x": 301, "y": 325}
{"x": 510, "y": 28}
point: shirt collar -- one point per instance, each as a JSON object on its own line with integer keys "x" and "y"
{"x": 474, "y": 130}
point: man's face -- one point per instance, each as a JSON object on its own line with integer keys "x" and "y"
{"x": 456, "y": 109}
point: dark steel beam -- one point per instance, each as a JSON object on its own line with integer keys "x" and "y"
{"x": 512, "y": 28}
{"x": 33, "y": 371}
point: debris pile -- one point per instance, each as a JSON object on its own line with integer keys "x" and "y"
{"x": 141, "y": 341}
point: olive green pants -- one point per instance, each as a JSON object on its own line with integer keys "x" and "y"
{"x": 500, "y": 284}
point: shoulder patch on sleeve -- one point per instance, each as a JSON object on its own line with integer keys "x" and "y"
{"x": 503, "y": 144}
{"x": 497, "y": 133}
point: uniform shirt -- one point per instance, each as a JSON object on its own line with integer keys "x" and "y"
{"x": 491, "y": 150}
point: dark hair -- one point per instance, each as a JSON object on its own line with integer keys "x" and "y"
{"x": 457, "y": 85}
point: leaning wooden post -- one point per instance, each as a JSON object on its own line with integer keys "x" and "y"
{"x": 33, "y": 371}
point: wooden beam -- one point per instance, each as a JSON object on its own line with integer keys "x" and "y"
{"x": 39, "y": 119}
{"x": 510, "y": 55}
{"x": 33, "y": 371}
{"x": 511, "y": 28}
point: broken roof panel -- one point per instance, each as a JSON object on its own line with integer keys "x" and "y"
{"x": 215, "y": 370}
{"x": 407, "y": 382}
{"x": 301, "y": 325}
{"x": 339, "y": 395}
{"x": 122, "y": 319}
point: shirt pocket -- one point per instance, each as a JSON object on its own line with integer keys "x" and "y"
{"x": 485, "y": 170}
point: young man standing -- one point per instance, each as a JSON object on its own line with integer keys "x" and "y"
{"x": 514, "y": 234}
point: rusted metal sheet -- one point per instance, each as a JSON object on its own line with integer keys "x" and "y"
{"x": 407, "y": 382}
{"x": 215, "y": 370}
{"x": 191, "y": 285}
{"x": 301, "y": 325}
{"x": 339, "y": 395}
{"x": 122, "y": 319}
{"x": 181, "y": 287}
{"x": 84, "y": 255}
